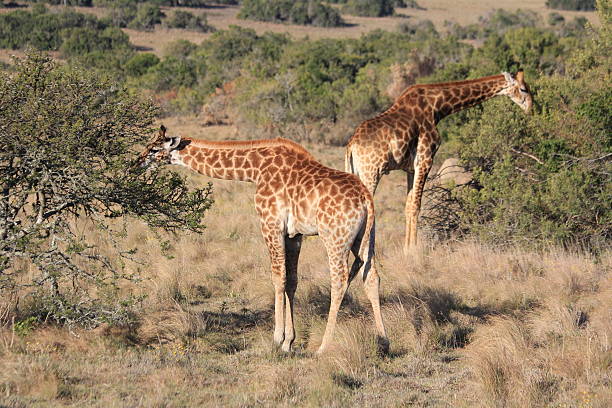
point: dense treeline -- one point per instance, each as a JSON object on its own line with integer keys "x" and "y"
{"x": 43, "y": 30}
{"x": 580, "y": 5}
{"x": 108, "y": 3}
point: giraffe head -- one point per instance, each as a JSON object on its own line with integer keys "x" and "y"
{"x": 159, "y": 149}
{"x": 516, "y": 88}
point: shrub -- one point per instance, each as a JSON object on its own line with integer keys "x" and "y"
{"x": 147, "y": 15}
{"x": 539, "y": 179}
{"x": 369, "y": 8}
{"x": 555, "y": 19}
{"x": 408, "y": 3}
{"x": 41, "y": 29}
{"x": 295, "y": 12}
{"x": 140, "y": 63}
{"x": 581, "y": 5}
{"x": 68, "y": 161}
{"x": 422, "y": 30}
{"x": 82, "y": 3}
{"x": 170, "y": 73}
{"x": 185, "y": 19}
{"x": 83, "y": 40}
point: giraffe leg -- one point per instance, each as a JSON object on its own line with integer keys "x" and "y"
{"x": 409, "y": 191}
{"x": 421, "y": 172}
{"x": 370, "y": 179}
{"x": 371, "y": 282}
{"x": 339, "y": 274}
{"x": 276, "y": 248}
{"x": 292, "y": 253}
{"x": 372, "y": 289}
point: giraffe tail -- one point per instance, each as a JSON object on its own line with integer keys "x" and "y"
{"x": 349, "y": 165}
{"x": 368, "y": 242}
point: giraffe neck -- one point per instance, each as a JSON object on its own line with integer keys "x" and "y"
{"x": 234, "y": 160}
{"x": 451, "y": 97}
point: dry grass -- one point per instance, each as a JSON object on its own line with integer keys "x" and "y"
{"x": 469, "y": 325}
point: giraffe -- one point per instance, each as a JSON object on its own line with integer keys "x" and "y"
{"x": 295, "y": 196}
{"x": 404, "y": 137}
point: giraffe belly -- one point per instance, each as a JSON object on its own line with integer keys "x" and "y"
{"x": 297, "y": 227}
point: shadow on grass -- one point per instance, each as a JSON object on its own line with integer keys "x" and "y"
{"x": 317, "y": 300}
{"x": 235, "y": 322}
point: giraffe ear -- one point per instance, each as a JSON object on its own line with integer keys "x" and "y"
{"x": 520, "y": 76}
{"x": 173, "y": 142}
{"x": 509, "y": 78}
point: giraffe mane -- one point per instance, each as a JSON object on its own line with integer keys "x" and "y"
{"x": 248, "y": 144}
{"x": 453, "y": 84}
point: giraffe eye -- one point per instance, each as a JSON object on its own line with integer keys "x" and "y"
{"x": 523, "y": 89}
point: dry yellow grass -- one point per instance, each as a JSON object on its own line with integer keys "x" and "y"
{"x": 469, "y": 325}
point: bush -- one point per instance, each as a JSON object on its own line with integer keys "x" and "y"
{"x": 68, "y": 162}
{"x": 422, "y": 30}
{"x": 122, "y": 13}
{"x": 555, "y": 19}
{"x": 185, "y": 19}
{"x": 147, "y": 15}
{"x": 545, "y": 177}
{"x": 580, "y": 5}
{"x": 82, "y": 3}
{"x": 83, "y": 40}
{"x": 369, "y": 8}
{"x": 295, "y": 12}
{"x": 168, "y": 3}
{"x": 139, "y": 64}
{"x": 41, "y": 29}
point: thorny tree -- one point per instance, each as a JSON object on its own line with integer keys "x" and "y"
{"x": 67, "y": 149}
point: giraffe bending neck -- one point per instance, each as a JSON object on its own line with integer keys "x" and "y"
{"x": 295, "y": 196}
{"x": 228, "y": 160}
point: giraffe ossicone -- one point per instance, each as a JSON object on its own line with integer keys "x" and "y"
{"x": 404, "y": 137}
{"x": 295, "y": 196}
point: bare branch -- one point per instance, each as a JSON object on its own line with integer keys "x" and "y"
{"x": 531, "y": 156}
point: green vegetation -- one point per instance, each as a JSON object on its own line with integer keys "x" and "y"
{"x": 581, "y": 5}
{"x": 545, "y": 177}
{"x": 68, "y": 148}
{"x": 147, "y": 15}
{"x": 295, "y": 12}
{"x": 189, "y": 21}
{"x": 369, "y": 8}
{"x": 42, "y": 29}
{"x": 320, "y": 90}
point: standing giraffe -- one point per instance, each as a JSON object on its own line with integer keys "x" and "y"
{"x": 295, "y": 196}
{"x": 404, "y": 137}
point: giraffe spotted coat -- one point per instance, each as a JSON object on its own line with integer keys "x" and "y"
{"x": 295, "y": 196}
{"x": 404, "y": 137}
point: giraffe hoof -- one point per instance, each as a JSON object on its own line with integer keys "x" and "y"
{"x": 286, "y": 347}
{"x": 278, "y": 339}
{"x": 382, "y": 345}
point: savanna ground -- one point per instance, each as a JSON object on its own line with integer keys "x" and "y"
{"x": 469, "y": 324}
